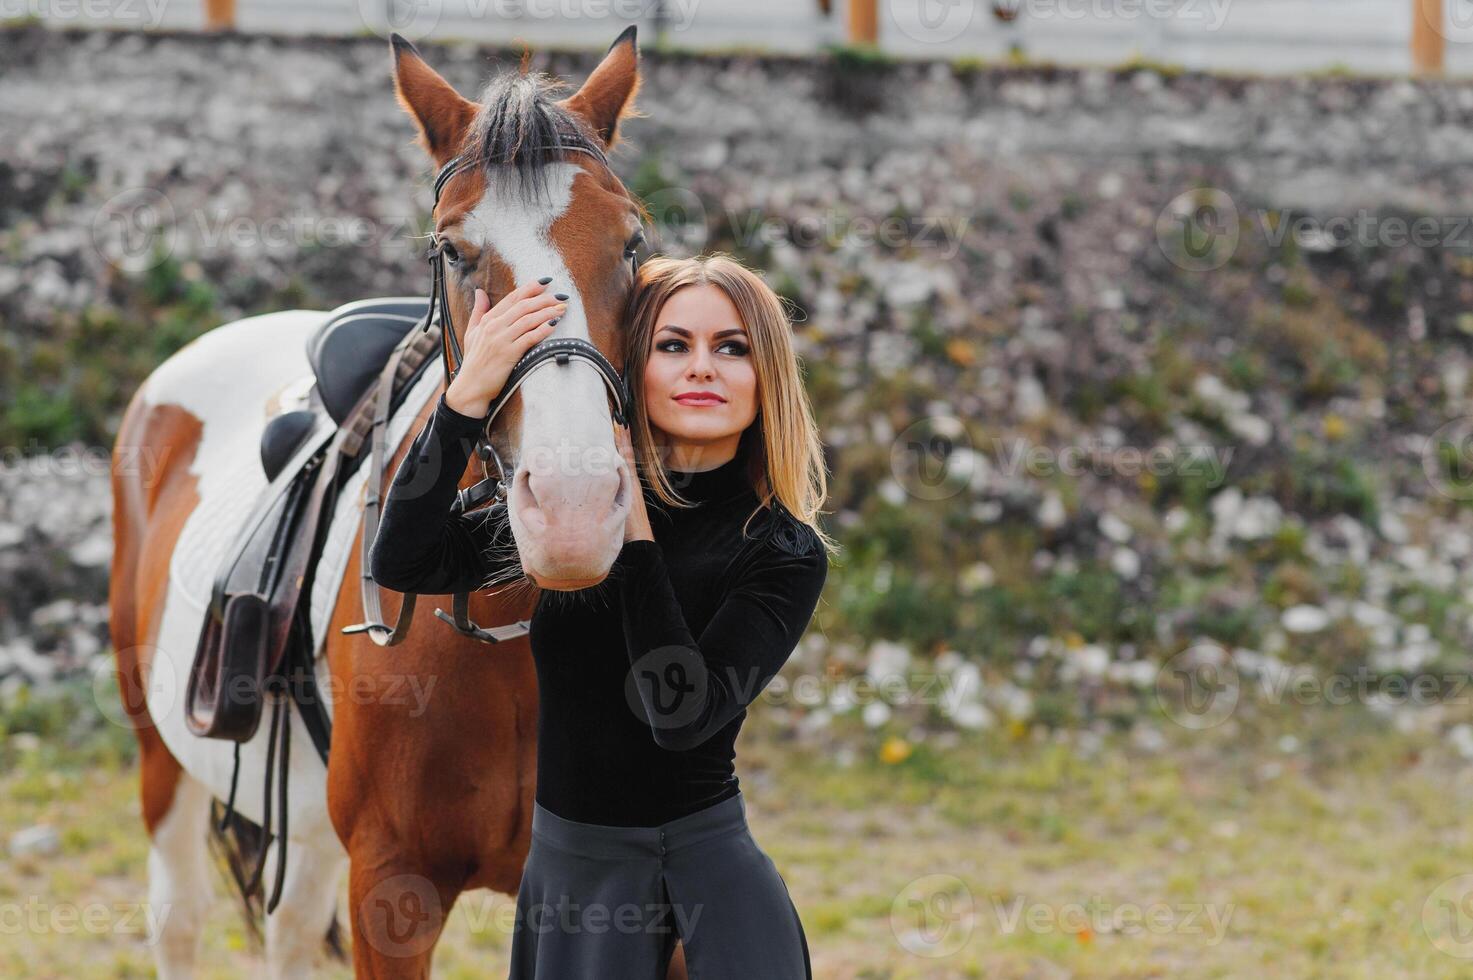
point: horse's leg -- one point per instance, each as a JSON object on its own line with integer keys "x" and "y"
{"x": 175, "y": 807}
{"x": 308, "y": 901}
{"x": 179, "y": 886}
{"x": 398, "y": 913}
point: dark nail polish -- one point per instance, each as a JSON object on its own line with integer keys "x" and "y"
{"x": 545, "y": 280}
{"x": 553, "y": 321}
{"x": 559, "y": 295}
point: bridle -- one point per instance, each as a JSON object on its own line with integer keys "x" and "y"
{"x": 493, "y": 487}
{"x": 559, "y": 350}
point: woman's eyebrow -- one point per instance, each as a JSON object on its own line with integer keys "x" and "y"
{"x": 734, "y": 331}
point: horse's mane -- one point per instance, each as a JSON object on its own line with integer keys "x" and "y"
{"x": 520, "y": 123}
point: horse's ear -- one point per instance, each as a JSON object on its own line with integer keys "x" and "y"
{"x": 608, "y": 95}
{"x": 442, "y": 113}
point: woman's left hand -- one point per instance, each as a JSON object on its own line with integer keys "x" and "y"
{"x": 637, "y": 524}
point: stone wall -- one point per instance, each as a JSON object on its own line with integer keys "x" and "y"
{"x": 1012, "y": 257}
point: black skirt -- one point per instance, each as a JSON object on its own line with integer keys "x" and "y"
{"x": 608, "y": 903}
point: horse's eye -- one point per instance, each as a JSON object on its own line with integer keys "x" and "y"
{"x": 447, "y": 249}
{"x": 635, "y": 243}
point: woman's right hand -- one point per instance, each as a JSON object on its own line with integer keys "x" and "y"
{"x": 496, "y": 338}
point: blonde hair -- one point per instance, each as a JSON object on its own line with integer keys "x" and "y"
{"x": 784, "y": 453}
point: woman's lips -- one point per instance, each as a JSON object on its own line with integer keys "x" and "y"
{"x": 698, "y": 400}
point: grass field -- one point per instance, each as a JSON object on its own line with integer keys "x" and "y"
{"x": 1318, "y": 845}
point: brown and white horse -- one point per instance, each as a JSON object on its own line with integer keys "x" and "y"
{"x": 429, "y": 787}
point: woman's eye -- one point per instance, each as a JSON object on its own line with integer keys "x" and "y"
{"x": 735, "y": 347}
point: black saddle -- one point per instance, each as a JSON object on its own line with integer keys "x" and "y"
{"x": 346, "y": 353}
{"x": 350, "y": 349}
{"x": 306, "y": 454}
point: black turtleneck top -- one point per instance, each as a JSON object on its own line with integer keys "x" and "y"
{"x": 644, "y": 679}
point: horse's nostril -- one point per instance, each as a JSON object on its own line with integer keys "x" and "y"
{"x": 524, "y": 477}
{"x": 622, "y": 487}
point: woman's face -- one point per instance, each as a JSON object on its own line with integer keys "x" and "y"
{"x": 699, "y": 345}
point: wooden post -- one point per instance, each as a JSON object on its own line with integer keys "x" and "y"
{"x": 1429, "y": 43}
{"x": 864, "y": 21}
{"x": 219, "y": 15}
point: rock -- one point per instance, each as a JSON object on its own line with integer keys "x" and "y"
{"x": 1304, "y": 619}
{"x": 37, "y": 841}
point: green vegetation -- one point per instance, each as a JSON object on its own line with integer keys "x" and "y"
{"x": 1303, "y": 844}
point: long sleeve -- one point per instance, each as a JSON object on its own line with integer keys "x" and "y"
{"x": 690, "y": 690}
{"x": 421, "y": 546}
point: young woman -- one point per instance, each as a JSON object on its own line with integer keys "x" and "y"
{"x": 639, "y": 832}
